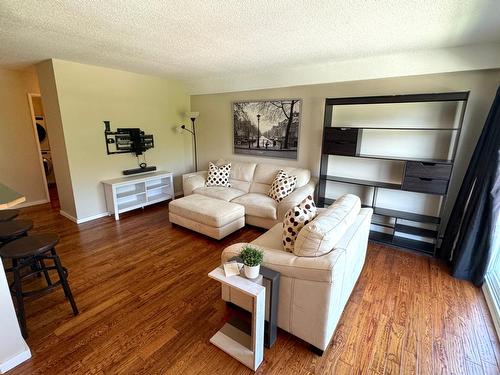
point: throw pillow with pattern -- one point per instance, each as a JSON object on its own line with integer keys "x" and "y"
{"x": 218, "y": 175}
{"x": 282, "y": 185}
{"x": 295, "y": 219}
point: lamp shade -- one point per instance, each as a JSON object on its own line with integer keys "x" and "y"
{"x": 192, "y": 114}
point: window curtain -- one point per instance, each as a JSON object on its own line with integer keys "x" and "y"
{"x": 468, "y": 238}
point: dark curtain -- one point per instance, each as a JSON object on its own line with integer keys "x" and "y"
{"x": 468, "y": 239}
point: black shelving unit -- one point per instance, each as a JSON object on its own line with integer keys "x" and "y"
{"x": 421, "y": 175}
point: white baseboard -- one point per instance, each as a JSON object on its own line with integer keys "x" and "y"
{"x": 16, "y": 360}
{"x": 93, "y": 217}
{"x": 83, "y": 220}
{"x": 492, "y": 305}
{"x": 34, "y": 203}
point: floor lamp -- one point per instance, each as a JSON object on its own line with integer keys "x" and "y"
{"x": 193, "y": 116}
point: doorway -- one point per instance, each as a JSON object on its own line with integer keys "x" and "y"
{"x": 41, "y": 135}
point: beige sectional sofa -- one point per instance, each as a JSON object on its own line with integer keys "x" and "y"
{"x": 250, "y": 183}
{"x": 314, "y": 289}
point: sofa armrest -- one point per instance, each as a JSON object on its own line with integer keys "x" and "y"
{"x": 192, "y": 181}
{"x": 297, "y": 196}
{"x": 287, "y": 264}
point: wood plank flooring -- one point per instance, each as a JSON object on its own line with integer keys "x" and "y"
{"x": 148, "y": 307}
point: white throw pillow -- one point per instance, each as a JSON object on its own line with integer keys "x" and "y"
{"x": 295, "y": 219}
{"x": 282, "y": 185}
{"x": 321, "y": 235}
{"x": 218, "y": 175}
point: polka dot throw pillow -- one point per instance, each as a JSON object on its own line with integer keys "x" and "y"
{"x": 282, "y": 185}
{"x": 218, "y": 175}
{"x": 295, "y": 219}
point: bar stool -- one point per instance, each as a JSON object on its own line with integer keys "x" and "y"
{"x": 13, "y": 229}
{"x": 6, "y": 215}
{"x": 29, "y": 252}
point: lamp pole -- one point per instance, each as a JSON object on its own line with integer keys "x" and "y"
{"x": 258, "y": 131}
{"x": 194, "y": 138}
{"x": 192, "y": 116}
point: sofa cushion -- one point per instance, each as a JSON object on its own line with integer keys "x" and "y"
{"x": 265, "y": 173}
{"x": 242, "y": 171}
{"x": 241, "y": 174}
{"x": 321, "y": 235}
{"x": 206, "y": 210}
{"x": 294, "y": 221}
{"x": 258, "y": 205}
{"x": 282, "y": 186}
{"x": 224, "y": 193}
{"x": 218, "y": 175}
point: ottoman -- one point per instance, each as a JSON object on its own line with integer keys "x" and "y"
{"x": 212, "y": 217}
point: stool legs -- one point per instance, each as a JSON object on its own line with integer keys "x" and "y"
{"x": 19, "y": 298}
{"x": 64, "y": 281}
{"x": 39, "y": 264}
{"x": 45, "y": 272}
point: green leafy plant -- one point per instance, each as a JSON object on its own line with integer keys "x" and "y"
{"x": 251, "y": 256}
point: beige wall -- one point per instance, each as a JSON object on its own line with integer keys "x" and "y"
{"x": 88, "y": 95}
{"x": 62, "y": 173}
{"x": 215, "y": 121}
{"x": 20, "y": 166}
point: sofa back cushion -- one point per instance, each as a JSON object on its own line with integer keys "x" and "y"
{"x": 322, "y": 234}
{"x": 265, "y": 173}
{"x": 241, "y": 175}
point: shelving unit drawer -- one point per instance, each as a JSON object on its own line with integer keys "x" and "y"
{"x": 425, "y": 185}
{"x": 428, "y": 170}
{"x": 340, "y": 148}
{"x": 340, "y": 141}
{"x": 341, "y": 134}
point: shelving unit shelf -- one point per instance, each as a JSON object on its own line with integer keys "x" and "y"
{"x": 429, "y": 174}
{"x": 129, "y": 193}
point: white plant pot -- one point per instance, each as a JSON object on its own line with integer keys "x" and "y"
{"x": 252, "y": 272}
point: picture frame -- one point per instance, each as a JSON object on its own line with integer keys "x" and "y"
{"x": 267, "y": 128}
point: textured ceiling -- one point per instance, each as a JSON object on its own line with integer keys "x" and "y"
{"x": 196, "y": 38}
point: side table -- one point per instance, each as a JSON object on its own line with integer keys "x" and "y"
{"x": 271, "y": 280}
{"x": 248, "y": 349}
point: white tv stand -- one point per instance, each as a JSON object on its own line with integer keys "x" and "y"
{"x": 128, "y": 193}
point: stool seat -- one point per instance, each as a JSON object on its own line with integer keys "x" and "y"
{"x": 29, "y": 246}
{"x": 6, "y": 215}
{"x": 14, "y": 228}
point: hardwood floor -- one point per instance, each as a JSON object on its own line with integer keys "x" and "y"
{"x": 148, "y": 307}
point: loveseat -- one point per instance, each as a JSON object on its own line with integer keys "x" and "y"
{"x": 250, "y": 183}
{"x": 314, "y": 289}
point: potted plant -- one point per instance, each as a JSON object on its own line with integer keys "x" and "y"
{"x": 252, "y": 258}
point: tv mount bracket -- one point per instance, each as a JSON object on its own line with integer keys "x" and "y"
{"x": 126, "y": 140}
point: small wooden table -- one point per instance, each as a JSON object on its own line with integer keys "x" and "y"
{"x": 248, "y": 349}
{"x": 271, "y": 281}
{"x": 9, "y": 197}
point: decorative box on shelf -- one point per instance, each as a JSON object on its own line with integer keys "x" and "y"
{"x": 128, "y": 193}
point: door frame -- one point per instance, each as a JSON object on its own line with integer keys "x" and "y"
{"x": 492, "y": 296}
{"x": 491, "y": 285}
{"x": 37, "y": 142}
